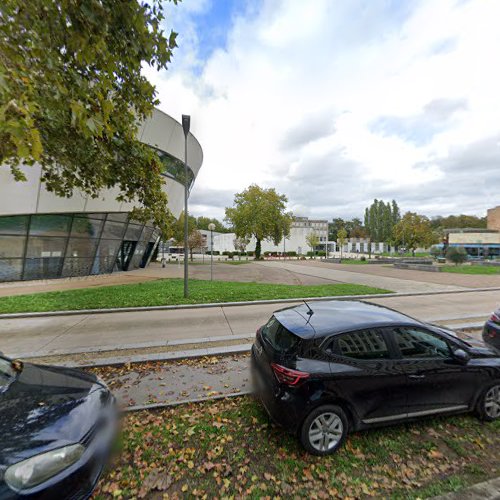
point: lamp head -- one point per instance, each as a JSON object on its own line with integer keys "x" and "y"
{"x": 186, "y": 123}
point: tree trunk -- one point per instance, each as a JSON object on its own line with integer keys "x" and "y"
{"x": 191, "y": 253}
{"x": 257, "y": 250}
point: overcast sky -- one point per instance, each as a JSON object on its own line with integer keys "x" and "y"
{"x": 337, "y": 102}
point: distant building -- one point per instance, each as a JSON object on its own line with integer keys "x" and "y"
{"x": 296, "y": 242}
{"x": 479, "y": 243}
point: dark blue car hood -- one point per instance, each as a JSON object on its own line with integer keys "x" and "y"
{"x": 44, "y": 408}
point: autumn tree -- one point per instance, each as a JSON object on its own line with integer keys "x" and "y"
{"x": 73, "y": 94}
{"x": 195, "y": 240}
{"x": 414, "y": 231}
{"x": 240, "y": 244}
{"x": 312, "y": 240}
{"x": 341, "y": 239}
{"x": 260, "y": 213}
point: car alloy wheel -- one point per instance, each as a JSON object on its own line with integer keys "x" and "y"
{"x": 492, "y": 402}
{"x": 324, "y": 430}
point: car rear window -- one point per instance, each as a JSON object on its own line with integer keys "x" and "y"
{"x": 278, "y": 336}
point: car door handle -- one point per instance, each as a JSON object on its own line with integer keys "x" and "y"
{"x": 416, "y": 376}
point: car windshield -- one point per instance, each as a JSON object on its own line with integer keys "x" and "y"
{"x": 6, "y": 372}
{"x": 278, "y": 336}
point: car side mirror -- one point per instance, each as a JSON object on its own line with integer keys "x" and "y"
{"x": 461, "y": 356}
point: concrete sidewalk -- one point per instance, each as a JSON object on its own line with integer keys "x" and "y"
{"x": 50, "y": 335}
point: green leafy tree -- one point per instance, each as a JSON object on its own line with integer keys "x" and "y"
{"x": 457, "y": 255}
{"x": 355, "y": 228}
{"x": 72, "y": 96}
{"x": 380, "y": 219}
{"x": 312, "y": 240}
{"x": 178, "y": 229}
{"x": 414, "y": 231}
{"x": 260, "y": 213}
{"x": 458, "y": 222}
{"x": 334, "y": 227}
{"x": 341, "y": 239}
{"x": 203, "y": 222}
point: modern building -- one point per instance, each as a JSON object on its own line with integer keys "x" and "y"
{"x": 479, "y": 243}
{"x": 45, "y": 236}
{"x": 296, "y": 242}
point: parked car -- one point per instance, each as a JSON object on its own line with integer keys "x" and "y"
{"x": 491, "y": 330}
{"x": 56, "y": 429}
{"x": 331, "y": 367}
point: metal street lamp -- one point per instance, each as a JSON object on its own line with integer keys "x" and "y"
{"x": 211, "y": 228}
{"x": 186, "y": 122}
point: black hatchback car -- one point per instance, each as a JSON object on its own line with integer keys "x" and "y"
{"x": 331, "y": 367}
{"x": 56, "y": 429}
{"x": 491, "y": 330}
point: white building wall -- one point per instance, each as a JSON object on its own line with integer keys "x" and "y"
{"x": 31, "y": 197}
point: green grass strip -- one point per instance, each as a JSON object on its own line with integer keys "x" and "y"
{"x": 170, "y": 292}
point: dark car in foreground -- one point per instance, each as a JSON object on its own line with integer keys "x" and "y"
{"x": 327, "y": 368}
{"x": 56, "y": 429}
{"x": 491, "y": 330}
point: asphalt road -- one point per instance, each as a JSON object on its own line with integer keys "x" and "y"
{"x": 60, "y": 334}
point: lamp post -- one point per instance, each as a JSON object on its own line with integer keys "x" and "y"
{"x": 211, "y": 228}
{"x": 186, "y": 122}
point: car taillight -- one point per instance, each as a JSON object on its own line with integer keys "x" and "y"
{"x": 495, "y": 318}
{"x": 288, "y": 376}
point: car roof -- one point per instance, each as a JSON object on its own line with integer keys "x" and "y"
{"x": 337, "y": 316}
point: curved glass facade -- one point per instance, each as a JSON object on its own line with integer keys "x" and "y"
{"x": 47, "y": 246}
{"x": 174, "y": 168}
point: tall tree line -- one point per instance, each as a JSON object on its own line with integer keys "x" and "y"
{"x": 380, "y": 219}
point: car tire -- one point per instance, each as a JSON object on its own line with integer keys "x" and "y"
{"x": 488, "y": 405}
{"x": 324, "y": 430}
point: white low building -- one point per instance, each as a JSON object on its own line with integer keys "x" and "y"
{"x": 296, "y": 242}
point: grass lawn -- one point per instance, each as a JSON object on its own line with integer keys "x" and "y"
{"x": 237, "y": 262}
{"x": 471, "y": 269}
{"x": 170, "y": 292}
{"x": 229, "y": 448}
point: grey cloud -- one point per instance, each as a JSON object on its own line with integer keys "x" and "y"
{"x": 217, "y": 198}
{"x": 420, "y": 128}
{"x": 310, "y": 128}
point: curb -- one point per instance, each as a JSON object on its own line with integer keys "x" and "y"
{"x": 236, "y": 304}
{"x": 144, "y": 358}
{"x": 487, "y": 490}
{"x": 139, "y": 345}
{"x": 155, "y": 406}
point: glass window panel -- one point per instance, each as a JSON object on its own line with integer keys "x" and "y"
{"x": 114, "y": 230}
{"x": 81, "y": 247}
{"x": 133, "y": 232}
{"x": 118, "y": 217}
{"x": 416, "y": 343}
{"x": 35, "y": 269}
{"x": 12, "y": 246}
{"x": 91, "y": 215}
{"x": 103, "y": 265}
{"x": 366, "y": 344}
{"x": 50, "y": 225}
{"x": 45, "y": 247}
{"x": 76, "y": 267}
{"x": 17, "y": 224}
{"x": 10, "y": 269}
{"x": 108, "y": 248}
{"x": 86, "y": 228}
{"x": 146, "y": 235}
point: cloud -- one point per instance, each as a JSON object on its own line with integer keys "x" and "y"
{"x": 335, "y": 103}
